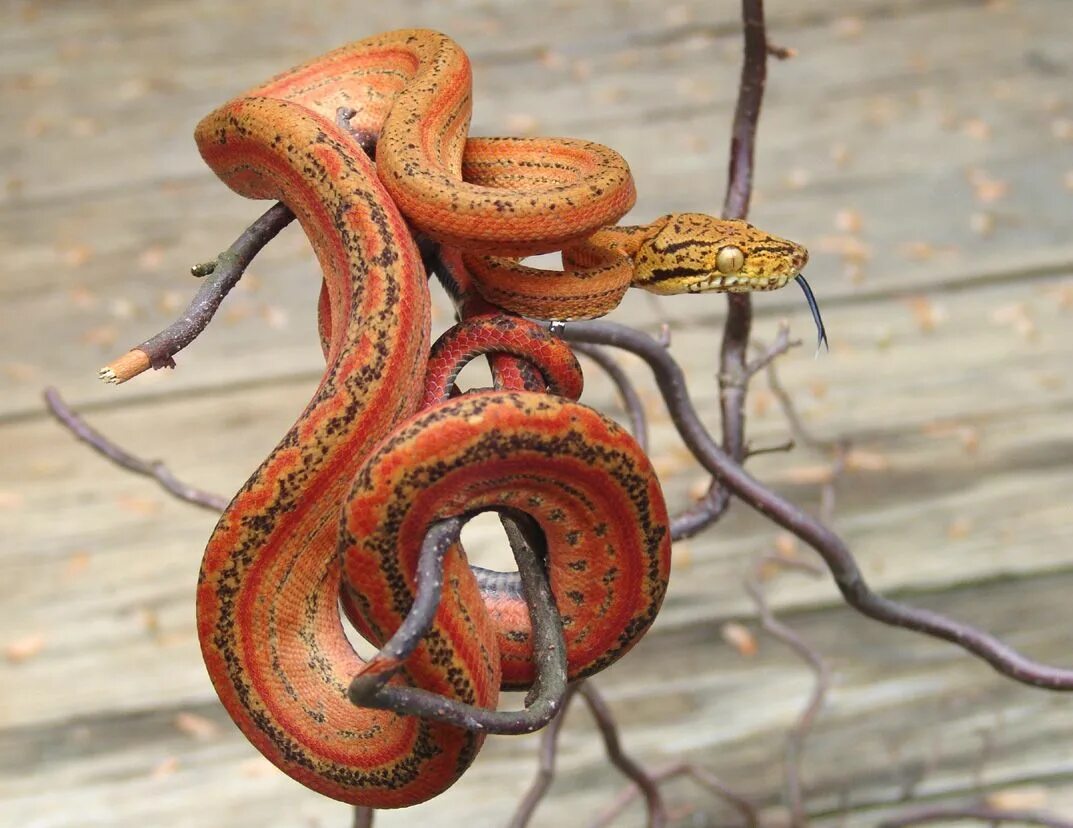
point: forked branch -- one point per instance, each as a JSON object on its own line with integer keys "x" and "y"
{"x": 723, "y": 460}
{"x": 840, "y": 561}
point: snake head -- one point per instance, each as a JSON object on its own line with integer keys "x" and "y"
{"x": 696, "y": 253}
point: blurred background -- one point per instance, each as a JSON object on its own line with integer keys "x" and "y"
{"x": 923, "y": 151}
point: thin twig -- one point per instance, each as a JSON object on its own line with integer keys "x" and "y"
{"x": 124, "y": 459}
{"x": 774, "y": 448}
{"x": 631, "y": 400}
{"x": 767, "y": 355}
{"x": 706, "y": 779}
{"x": 798, "y": 428}
{"x": 837, "y": 449}
{"x": 605, "y": 721}
{"x": 798, "y": 734}
{"x": 734, "y": 372}
{"x": 549, "y": 751}
{"x": 221, "y": 275}
{"x": 839, "y": 560}
{"x": 979, "y": 813}
{"x": 363, "y": 817}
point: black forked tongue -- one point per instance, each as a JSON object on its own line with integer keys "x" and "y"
{"x": 813, "y": 306}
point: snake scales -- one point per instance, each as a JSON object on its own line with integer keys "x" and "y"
{"x": 335, "y": 516}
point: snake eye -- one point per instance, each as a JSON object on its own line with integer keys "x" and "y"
{"x": 729, "y": 259}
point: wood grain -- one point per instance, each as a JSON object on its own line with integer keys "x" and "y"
{"x": 922, "y": 150}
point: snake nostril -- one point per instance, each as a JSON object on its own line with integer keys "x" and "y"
{"x": 800, "y": 258}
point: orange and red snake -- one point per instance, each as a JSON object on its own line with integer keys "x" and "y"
{"x": 336, "y": 515}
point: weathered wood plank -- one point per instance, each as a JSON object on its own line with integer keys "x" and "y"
{"x": 891, "y": 94}
{"x": 110, "y": 269}
{"x": 973, "y": 477}
{"x": 949, "y": 307}
{"x": 904, "y": 714}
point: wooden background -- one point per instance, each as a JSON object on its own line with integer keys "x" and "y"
{"x": 922, "y": 149}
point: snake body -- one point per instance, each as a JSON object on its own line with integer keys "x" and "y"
{"x": 337, "y": 512}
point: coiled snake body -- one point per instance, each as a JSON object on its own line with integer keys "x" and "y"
{"x": 341, "y": 505}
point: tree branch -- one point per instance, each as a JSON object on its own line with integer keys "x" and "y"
{"x": 549, "y": 751}
{"x": 631, "y": 401}
{"x": 363, "y": 817}
{"x": 221, "y": 274}
{"x": 370, "y": 687}
{"x": 831, "y": 547}
{"x": 980, "y": 813}
{"x": 605, "y": 721}
{"x": 125, "y": 460}
{"x": 798, "y": 734}
{"x": 734, "y": 373}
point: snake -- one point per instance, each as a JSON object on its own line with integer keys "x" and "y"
{"x": 329, "y": 527}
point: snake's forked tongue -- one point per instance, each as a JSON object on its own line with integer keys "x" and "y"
{"x": 813, "y": 306}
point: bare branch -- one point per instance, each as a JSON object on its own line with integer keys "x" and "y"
{"x": 627, "y": 393}
{"x": 221, "y": 274}
{"x": 774, "y": 448}
{"x": 734, "y": 373}
{"x": 798, "y": 734}
{"x": 702, "y": 513}
{"x": 767, "y": 356}
{"x": 125, "y": 460}
{"x": 831, "y": 547}
{"x": 657, "y": 814}
{"x": 798, "y": 429}
{"x": 837, "y": 449}
{"x": 980, "y": 813}
{"x": 702, "y": 777}
{"x": 747, "y": 112}
{"x": 549, "y": 750}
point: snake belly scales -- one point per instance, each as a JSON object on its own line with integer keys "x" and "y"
{"x": 341, "y": 505}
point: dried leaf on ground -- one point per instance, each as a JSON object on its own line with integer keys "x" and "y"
{"x": 198, "y": 727}
{"x": 860, "y": 460}
{"x": 164, "y": 768}
{"x": 24, "y": 648}
{"x": 740, "y": 638}
{"x": 927, "y": 315}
